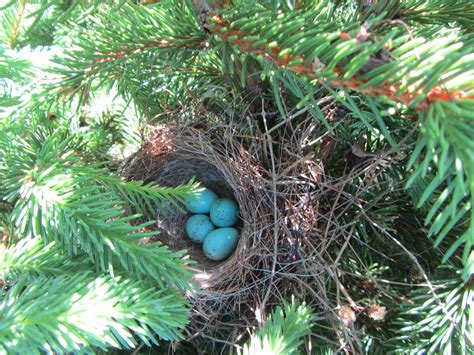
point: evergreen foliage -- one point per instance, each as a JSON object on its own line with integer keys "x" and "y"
{"x": 283, "y": 332}
{"x": 55, "y": 198}
{"x": 440, "y": 323}
{"x": 69, "y": 225}
{"x": 33, "y": 257}
{"x": 77, "y": 312}
{"x": 399, "y": 75}
{"x": 11, "y": 71}
{"x": 34, "y": 22}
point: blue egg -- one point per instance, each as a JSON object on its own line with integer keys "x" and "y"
{"x": 198, "y": 227}
{"x": 201, "y": 201}
{"x": 224, "y": 212}
{"x": 220, "y": 243}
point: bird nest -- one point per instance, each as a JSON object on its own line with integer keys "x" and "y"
{"x": 274, "y": 216}
{"x": 174, "y": 156}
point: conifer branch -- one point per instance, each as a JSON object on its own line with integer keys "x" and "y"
{"x": 53, "y": 201}
{"x": 445, "y": 148}
{"x": 16, "y": 24}
{"x": 282, "y": 333}
{"x": 426, "y": 319}
{"x": 32, "y": 258}
{"x": 76, "y": 313}
{"x": 438, "y": 12}
{"x": 416, "y": 12}
{"x": 357, "y": 48}
{"x": 35, "y": 22}
{"x": 169, "y": 32}
{"x": 144, "y": 198}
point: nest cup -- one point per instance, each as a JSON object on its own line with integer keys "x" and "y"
{"x": 173, "y": 156}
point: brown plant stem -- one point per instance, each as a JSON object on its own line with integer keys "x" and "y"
{"x": 221, "y": 28}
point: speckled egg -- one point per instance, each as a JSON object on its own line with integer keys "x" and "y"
{"x": 220, "y": 243}
{"x": 198, "y": 227}
{"x": 201, "y": 201}
{"x": 224, "y": 212}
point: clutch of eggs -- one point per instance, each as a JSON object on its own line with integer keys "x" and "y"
{"x": 218, "y": 243}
